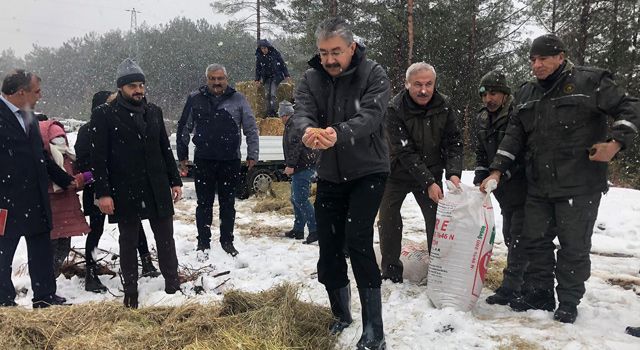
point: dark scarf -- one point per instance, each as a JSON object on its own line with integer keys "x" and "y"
{"x": 137, "y": 111}
{"x": 548, "y": 82}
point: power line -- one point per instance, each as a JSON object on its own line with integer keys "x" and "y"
{"x": 134, "y": 30}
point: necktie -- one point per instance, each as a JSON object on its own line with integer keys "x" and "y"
{"x": 25, "y": 120}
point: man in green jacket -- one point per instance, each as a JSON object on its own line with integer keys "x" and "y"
{"x": 492, "y": 121}
{"x": 424, "y": 141}
{"x": 561, "y": 124}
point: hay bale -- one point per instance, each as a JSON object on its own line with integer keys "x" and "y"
{"x": 515, "y": 342}
{"x": 494, "y": 273}
{"x": 285, "y": 92}
{"x": 254, "y": 92}
{"x": 273, "y": 319}
{"x": 271, "y": 127}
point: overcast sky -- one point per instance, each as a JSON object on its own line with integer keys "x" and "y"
{"x": 24, "y": 23}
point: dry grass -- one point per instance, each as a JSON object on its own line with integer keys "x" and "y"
{"x": 285, "y": 92}
{"x": 262, "y": 230}
{"x": 273, "y": 319}
{"x": 271, "y": 127}
{"x": 493, "y": 280}
{"x": 254, "y": 93}
{"x": 514, "y": 342}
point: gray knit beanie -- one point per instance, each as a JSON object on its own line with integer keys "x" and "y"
{"x": 285, "y": 108}
{"x": 128, "y": 72}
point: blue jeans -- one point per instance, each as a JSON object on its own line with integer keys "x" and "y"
{"x": 270, "y": 90}
{"x": 302, "y": 208}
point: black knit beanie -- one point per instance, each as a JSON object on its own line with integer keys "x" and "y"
{"x": 547, "y": 45}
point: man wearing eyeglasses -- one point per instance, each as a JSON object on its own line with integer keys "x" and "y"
{"x": 24, "y": 202}
{"x": 341, "y": 103}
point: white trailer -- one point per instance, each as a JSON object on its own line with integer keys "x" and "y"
{"x": 269, "y": 168}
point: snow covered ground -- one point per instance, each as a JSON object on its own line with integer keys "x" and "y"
{"x": 410, "y": 321}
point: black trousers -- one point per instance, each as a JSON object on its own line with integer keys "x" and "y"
{"x": 40, "y": 264}
{"x": 345, "y": 212}
{"x": 96, "y": 222}
{"x": 572, "y": 219}
{"x": 60, "y": 248}
{"x": 390, "y": 220}
{"x": 514, "y": 275}
{"x": 167, "y": 260}
{"x": 213, "y": 176}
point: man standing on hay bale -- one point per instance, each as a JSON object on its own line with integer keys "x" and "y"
{"x": 301, "y": 166}
{"x": 425, "y": 142}
{"x": 136, "y": 177}
{"x": 270, "y": 71}
{"x": 341, "y": 102}
{"x": 216, "y": 113}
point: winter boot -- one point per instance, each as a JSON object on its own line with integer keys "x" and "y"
{"x": 148, "y": 270}
{"x": 229, "y": 248}
{"x": 503, "y": 296}
{"x": 372, "y": 330}
{"x": 131, "y": 300}
{"x": 634, "y": 331}
{"x": 92, "y": 282}
{"x": 312, "y": 237}
{"x": 393, "y": 273}
{"x": 566, "y": 313}
{"x": 537, "y": 299}
{"x": 340, "y": 300}
{"x": 294, "y": 234}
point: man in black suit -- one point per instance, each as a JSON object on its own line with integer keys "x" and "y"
{"x": 24, "y": 202}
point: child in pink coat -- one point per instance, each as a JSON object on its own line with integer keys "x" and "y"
{"x": 68, "y": 219}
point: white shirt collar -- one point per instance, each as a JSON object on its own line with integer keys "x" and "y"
{"x": 11, "y": 106}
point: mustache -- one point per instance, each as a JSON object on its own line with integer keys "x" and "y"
{"x": 420, "y": 94}
{"x": 492, "y": 105}
{"x": 332, "y": 65}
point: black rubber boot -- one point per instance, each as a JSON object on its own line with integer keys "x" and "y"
{"x": 131, "y": 300}
{"x": 566, "y": 313}
{"x": 148, "y": 270}
{"x": 537, "y": 299}
{"x": 340, "y": 300}
{"x": 294, "y": 234}
{"x": 92, "y": 281}
{"x": 393, "y": 273}
{"x": 312, "y": 237}
{"x": 372, "y": 329}
{"x": 634, "y": 331}
{"x": 503, "y": 296}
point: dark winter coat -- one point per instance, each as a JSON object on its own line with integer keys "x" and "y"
{"x": 82, "y": 164}
{"x": 68, "y": 220}
{"x": 216, "y": 122}
{"x": 424, "y": 141}
{"x": 83, "y": 156}
{"x": 24, "y": 177}
{"x": 512, "y": 189}
{"x": 354, "y": 104}
{"x": 296, "y": 154}
{"x": 270, "y": 65}
{"x": 133, "y": 162}
{"x": 557, "y": 127}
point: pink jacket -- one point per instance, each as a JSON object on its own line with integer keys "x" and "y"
{"x": 68, "y": 219}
